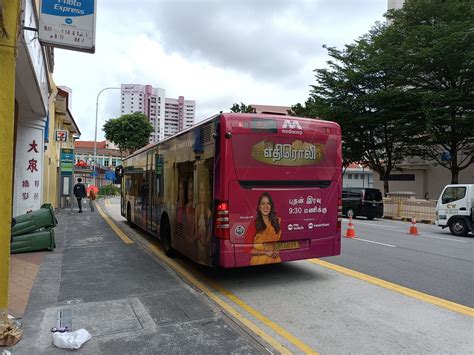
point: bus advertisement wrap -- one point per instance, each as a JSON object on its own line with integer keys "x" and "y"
{"x": 239, "y": 190}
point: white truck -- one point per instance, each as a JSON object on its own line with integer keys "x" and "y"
{"x": 455, "y": 209}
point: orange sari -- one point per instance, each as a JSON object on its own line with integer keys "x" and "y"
{"x": 263, "y": 242}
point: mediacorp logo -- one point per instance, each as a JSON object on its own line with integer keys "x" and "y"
{"x": 292, "y": 127}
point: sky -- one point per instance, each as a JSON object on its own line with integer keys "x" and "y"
{"x": 216, "y": 52}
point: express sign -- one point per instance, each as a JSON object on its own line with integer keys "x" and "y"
{"x": 68, "y": 24}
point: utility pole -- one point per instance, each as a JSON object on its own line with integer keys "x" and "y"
{"x": 95, "y": 135}
{"x": 10, "y": 15}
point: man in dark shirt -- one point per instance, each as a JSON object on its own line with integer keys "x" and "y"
{"x": 80, "y": 193}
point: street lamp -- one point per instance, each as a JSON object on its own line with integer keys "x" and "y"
{"x": 95, "y": 136}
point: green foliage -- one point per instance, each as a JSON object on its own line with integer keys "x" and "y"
{"x": 403, "y": 89}
{"x": 109, "y": 190}
{"x": 358, "y": 90}
{"x": 435, "y": 40}
{"x": 129, "y": 132}
{"x": 242, "y": 108}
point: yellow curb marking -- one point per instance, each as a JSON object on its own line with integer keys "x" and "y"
{"x": 112, "y": 225}
{"x": 455, "y": 307}
{"x": 232, "y": 311}
{"x": 270, "y": 324}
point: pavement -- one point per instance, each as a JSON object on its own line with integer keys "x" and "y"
{"x": 122, "y": 294}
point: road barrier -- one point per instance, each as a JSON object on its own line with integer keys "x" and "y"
{"x": 406, "y": 209}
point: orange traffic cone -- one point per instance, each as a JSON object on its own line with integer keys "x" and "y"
{"x": 413, "y": 227}
{"x": 350, "y": 232}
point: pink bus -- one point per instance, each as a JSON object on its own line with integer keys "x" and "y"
{"x": 240, "y": 189}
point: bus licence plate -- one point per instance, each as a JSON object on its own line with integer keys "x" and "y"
{"x": 286, "y": 245}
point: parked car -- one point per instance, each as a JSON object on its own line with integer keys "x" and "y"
{"x": 366, "y": 202}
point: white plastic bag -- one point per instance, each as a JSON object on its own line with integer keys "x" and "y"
{"x": 71, "y": 340}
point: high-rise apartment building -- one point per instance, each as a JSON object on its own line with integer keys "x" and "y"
{"x": 167, "y": 116}
{"x": 179, "y": 115}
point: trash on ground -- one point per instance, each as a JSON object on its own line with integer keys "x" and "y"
{"x": 10, "y": 334}
{"x": 71, "y": 340}
{"x": 60, "y": 329}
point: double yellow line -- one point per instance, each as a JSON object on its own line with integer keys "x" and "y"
{"x": 191, "y": 278}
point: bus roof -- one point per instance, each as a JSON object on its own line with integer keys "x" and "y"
{"x": 227, "y": 115}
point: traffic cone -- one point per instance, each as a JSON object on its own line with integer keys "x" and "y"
{"x": 413, "y": 227}
{"x": 350, "y": 232}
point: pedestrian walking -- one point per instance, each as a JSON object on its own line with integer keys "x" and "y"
{"x": 80, "y": 193}
{"x": 91, "y": 199}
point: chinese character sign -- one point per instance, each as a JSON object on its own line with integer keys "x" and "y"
{"x": 28, "y": 170}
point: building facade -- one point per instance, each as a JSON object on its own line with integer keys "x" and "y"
{"x": 167, "y": 116}
{"x": 147, "y": 100}
{"x": 32, "y": 95}
{"x": 357, "y": 175}
{"x": 424, "y": 178}
{"x": 179, "y": 115}
{"x": 60, "y": 134}
{"x": 108, "y": 158}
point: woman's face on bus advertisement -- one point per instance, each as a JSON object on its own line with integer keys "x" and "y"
{"x": 264, "y": 206}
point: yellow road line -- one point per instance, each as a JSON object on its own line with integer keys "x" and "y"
{"x": 270, "y": 324}
{"x": 267, "y": 322}
{"x": 112, "y": 225}
{"x": 232, "y": 311}
{"x": 455, "y": 307}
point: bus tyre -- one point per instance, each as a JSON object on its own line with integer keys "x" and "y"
{"x": 458, "y": 227}
{"x": 129, "y": 216}
{"x": 165, "y": 233}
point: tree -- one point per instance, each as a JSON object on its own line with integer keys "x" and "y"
{"x": 242, "y": 108}
{"x": 435, "y": 40}
{"x": 379, "y": 120}
{"x": 129, "y": 132}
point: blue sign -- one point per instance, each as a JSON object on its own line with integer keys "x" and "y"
{"x": 67, "y": 8}
{"x": 446, "y": 156}
{"x": 110, "y": 175}
{"x": 68, "y": 24}
{"x": 94, "y": 174}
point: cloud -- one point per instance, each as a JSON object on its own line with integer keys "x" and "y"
{"x": 215, "y": 52}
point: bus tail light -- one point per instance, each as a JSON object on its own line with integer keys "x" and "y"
{"x": 222, "y": 220}
{"x": 339, "y": 214}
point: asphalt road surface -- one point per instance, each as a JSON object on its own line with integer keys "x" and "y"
{"x": 308, "y": 306}
{"x": 434, "y": 262}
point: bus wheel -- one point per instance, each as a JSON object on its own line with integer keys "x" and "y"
{"x": 165, "y": 234}
{"x": 129, "y": 216}
{"x": 458, "y": 227}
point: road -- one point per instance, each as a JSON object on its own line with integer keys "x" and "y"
{"x": 309, "y": 307}
{"x": 434, "y": 262}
